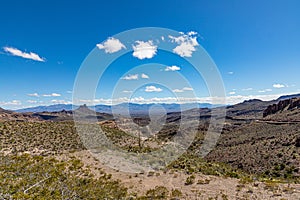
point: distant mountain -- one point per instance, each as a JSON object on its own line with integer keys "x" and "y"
{"x": 51, "y": 108}
{"x": 134, "y": 109}
{"x": 247, "y": 108}
{"x": 143, "y": 109}
{"x": 11, "y": 115}
{"x": 288, "y": 97}
{"x": 5, "y": 111}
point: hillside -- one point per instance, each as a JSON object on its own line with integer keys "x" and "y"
{"x": 283, "y": 107}
{"x": 261, "y": 145}
{"x": 254, "y": 158}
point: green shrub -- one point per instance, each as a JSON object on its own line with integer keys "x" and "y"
{"x": 190, "y": 180}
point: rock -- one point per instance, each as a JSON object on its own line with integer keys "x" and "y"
{"x": 297, "y": 142}
{"x": 282, "y": 105}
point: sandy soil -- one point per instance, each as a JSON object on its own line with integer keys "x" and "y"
{"x": 205, "y": 187}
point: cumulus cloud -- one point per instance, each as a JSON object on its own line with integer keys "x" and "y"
{"x": 16, "y": 52}
{"x": 33, "y": 95}
{"x": 111, "y": 45}
{"x": 192, "y": 33}
{"x": 131, "y": 77}
{"x": 184, "y": 50}
{"x": 145, "y": 76}
{"x": 172, "y": 68}
{"x": 51, "y": 95}
{"x": 152, "y": 88}
{"x": 144, "y": 50}
{"x": 278, "y": 85}
{"x": 186, "y": 44}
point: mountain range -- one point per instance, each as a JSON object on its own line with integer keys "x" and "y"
{"x": 134, "y": 109}
{"x": 250, "y": 107}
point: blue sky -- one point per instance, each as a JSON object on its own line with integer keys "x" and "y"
{"x": 255, "y": 45}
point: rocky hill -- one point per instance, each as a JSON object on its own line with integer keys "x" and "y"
{"x": 64, "y": 115}
{"x": 287, "y": 104}
{"x": 7, "y": 115}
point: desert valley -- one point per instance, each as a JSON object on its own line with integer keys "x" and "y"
{"x": 256, "y": 157}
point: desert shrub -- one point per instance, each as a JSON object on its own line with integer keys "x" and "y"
{"x": 191, "y": 163}
{"x": 190, "y": 180}
{"x": 176, "y": 194}
{"x": 159, "y": 192}
{"x": 35, "y": 177}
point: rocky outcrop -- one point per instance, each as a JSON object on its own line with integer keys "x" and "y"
{"x": 287, "y": 104}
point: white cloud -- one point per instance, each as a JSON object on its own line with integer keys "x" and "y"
{"x": 247, "y": 89}
{"x": 232, "y": 93}
{"x": 187, "y": 89}
{"x": 179, "y": 39}
{"x": 69, "y": 92}
{"x": 266, "y": 90}
{"x": 144, "y": 50}
{"x": 17, "y": 52}
{"x": 111, "y": 45}
{"x": 33, "y": 95}
{"x": 11, "y": 103}
{"x": 32, "y": 101}
{"x": 162, "y": 38}
{"x": 177, "y": 90}
{"x": 145, "y": 76}
{"x": 172, "y": 68}
{"x": 51, "y": 95}
{"x": 183, "y": 89}
{"x": 61, "y": 101}
{"x": 152, "y": 88}
{"x": 131, "y": 77}
{"x": 192, "y": 33}
{"x": 230, "y": 73}
{"x": 186, "y": 44}
{"x": 234, "y": 99}
{"x": 101, "y": 101}
{"x": 184, "y": 50}
{"x": 278, "y": 85}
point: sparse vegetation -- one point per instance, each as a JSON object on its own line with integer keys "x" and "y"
{"x": 191, "y": 163}
{"x": 259, "y": 154}
{"x": 35, "y": 177}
